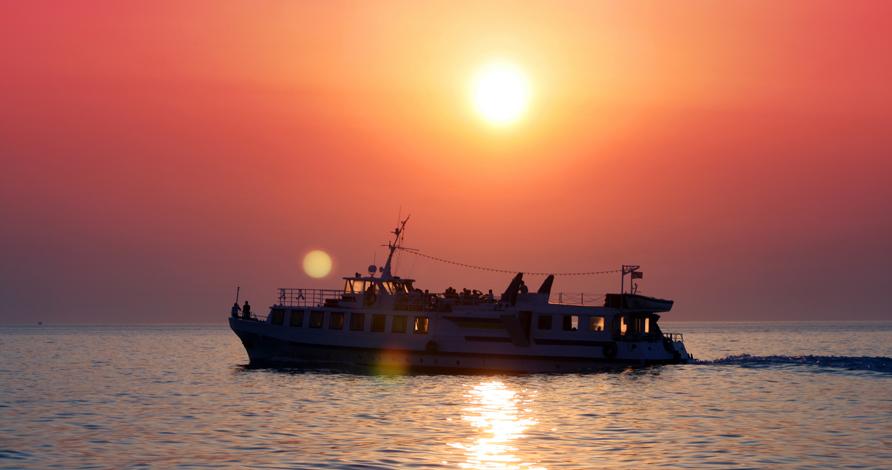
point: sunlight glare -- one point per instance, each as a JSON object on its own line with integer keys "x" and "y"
{"x": 496, "y": 414}
{"x": 501, "y": 94}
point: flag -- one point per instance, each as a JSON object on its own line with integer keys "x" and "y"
{"x": 637, "y": 275}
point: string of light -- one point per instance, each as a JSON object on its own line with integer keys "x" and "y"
{"x": 504, "y": 270}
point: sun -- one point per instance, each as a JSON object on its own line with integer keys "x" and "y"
{"x": 501, "y": 94}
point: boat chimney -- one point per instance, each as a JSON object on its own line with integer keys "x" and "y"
{"x": 510, "y": 294}
{"x": 546, "y": 286}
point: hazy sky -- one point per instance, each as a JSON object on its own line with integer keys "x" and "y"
{"x": 155, "y": 155}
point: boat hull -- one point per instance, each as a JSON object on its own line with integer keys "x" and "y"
{"x": 266, "y": 345}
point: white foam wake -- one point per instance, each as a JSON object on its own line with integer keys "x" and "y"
{"x": 879, "y": 364}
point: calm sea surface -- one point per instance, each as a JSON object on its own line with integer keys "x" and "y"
{"x": 764, "y": 395}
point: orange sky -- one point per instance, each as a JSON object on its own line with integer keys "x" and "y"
{"x": 157, "y": 154}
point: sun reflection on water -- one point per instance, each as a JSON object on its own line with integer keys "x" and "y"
{"x": 501, "y": 415}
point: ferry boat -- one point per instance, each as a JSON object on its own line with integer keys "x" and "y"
{"x": 385, "y": 322}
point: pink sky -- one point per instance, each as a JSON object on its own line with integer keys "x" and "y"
{"x": 158, "y": 154}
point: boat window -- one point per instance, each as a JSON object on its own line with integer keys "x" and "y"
{"x": 378, "y": 322}
{"x": 393, "y": 287}
{"x": 357, "y": 321}
{"x": 399, "y": 324}
{"x": 297, "y": 318}
{"x": 278, "y": 316}
{"x": 622, "y": 325}
{"x": 596, "y": 324}
{"x": 355, "y": 286}
{"x": 638, "y": 324}
{"x": 316, "y": 319}
{"x": 420, "y": 325}
{"x": 336, "y": 321}
{"x": 571, "y": 322}
{"x": 544, "y": 322}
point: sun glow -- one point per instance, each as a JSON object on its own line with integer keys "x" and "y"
{"x": 501, "y": 94}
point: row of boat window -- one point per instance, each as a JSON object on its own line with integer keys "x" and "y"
{"x": 399, "y": 324}
{"x": 570, "y": 323}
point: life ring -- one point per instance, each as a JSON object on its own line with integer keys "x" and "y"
{"x": 609, "y": 350}
{"x": 431, "y": 346}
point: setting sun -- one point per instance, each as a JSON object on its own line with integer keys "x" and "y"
{"x": 501, "y": 94}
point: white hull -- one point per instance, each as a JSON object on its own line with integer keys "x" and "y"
{"x": 458, "y": 342}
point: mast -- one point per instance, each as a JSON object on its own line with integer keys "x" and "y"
{"x": 386, "y": 275}
{"x": 628, "y": 269}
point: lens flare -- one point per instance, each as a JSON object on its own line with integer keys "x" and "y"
{"x": 317, "y": 264}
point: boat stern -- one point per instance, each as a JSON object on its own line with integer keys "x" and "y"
{"x": 674, "y": 343}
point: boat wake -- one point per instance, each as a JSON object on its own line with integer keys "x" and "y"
{"x": 867, "y": 363}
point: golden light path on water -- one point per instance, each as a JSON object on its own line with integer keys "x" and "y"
{"x": 502, "y": 416}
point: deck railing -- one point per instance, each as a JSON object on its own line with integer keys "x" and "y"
{"x": 591, "y": 300}
{"x": 316, "y": 298}
{"x": 674, "y": 337}
{"x": 636, "y": 337}
{"x": 251, "y": 317}
{"x": 307, "y": 297}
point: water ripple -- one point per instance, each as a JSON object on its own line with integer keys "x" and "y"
{"x": 182, "y": 397}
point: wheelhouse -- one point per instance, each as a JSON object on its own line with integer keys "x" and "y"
{"x": 362, "y": 285}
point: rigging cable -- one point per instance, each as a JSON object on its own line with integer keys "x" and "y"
{"x": 506, "y": 271}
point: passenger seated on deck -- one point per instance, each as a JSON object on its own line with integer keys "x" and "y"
{"x": 429, "y": 298}
{"x": 450, "y": 293}
{"x": 246, "y": 311}
{"x": 235, "y": 310}
{"x": 465, "y": 295}
{"x": 490, "y": 297}
{"x": 523, "y": 288}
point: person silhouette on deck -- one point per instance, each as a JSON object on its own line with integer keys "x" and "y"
{"x": 235, "y": 310}
{"x": 246, "y": 311}
{"x": 523, "y": 288}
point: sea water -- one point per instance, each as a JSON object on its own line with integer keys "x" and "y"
{"x": 761, "y": 395}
